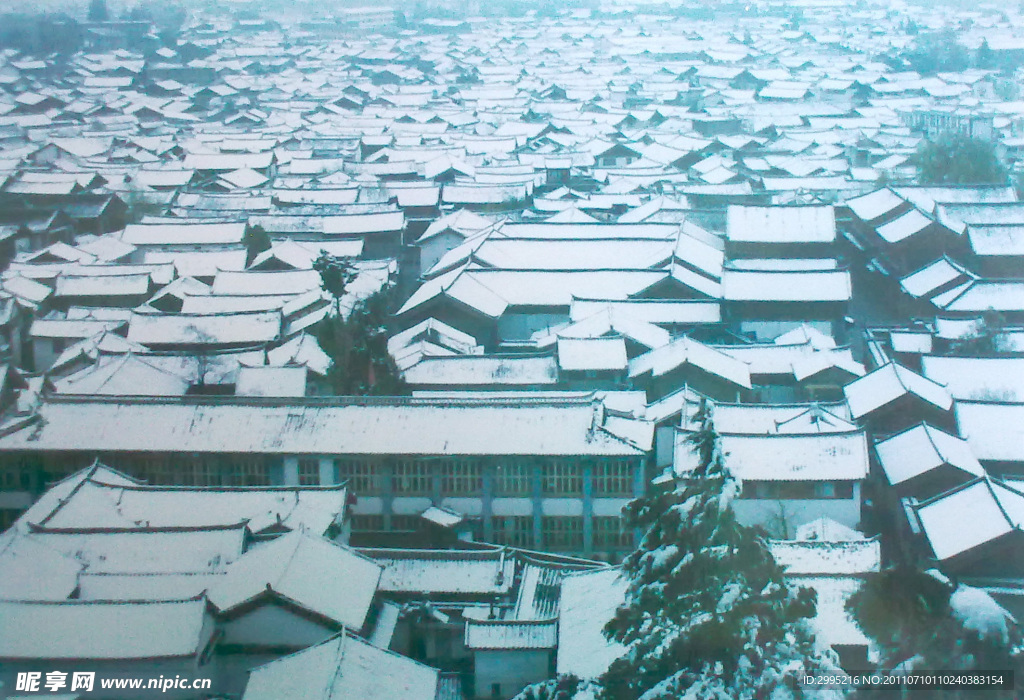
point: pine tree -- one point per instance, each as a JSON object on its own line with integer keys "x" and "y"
{"x": 565, "y": 687}
{"x": 98, "y": 11}
{"x": 256, "y": 240}
{"x": 708, "y": 615}
{"x": 985, "y": 57}
{"x": 357, "y": 340}
{"x": 955, "y": 159}
{"x": 922, "y": 621}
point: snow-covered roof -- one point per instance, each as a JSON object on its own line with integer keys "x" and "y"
{"x": 484, "y": 572}
{"x": 463, "y": 222}
{"x": 978, "y": 378}
{"x": 875, "y": 205}
{"x": 242, "y": 328}
{"x": 799, "y": 359}
{"x": 657, "y": 311}
{"x": 589, "y": 600}
{"x": 984, "y": 426}
{"x": 828, "y": 530}
{"x": 517, "y": 634}
{"x": 33, "y": 571}
{"x": 342, "y": 666}
{"x": 589, "y": 231}
{"x": 904, "y": 226}
{"x": 492, "y": 291}
{"x": 687, "y": 351}
{"x": 313, "y": 573}
{"x": 592, "y": 354}
{"x": 251, "y": 425}
{"x": 122, "y": 375}
{"x": 433, "y": 367}
{"x": 803, "y": 224}
{"x": 969, "y": 516}
{"x": 922, "y": 448}
{"x": 786, "y": 285}
{"x": 184, "y": 233}
{"x": 102, "y": 285}
{"x": 101, "y": 502}
{"x": 832, "y": 624}
{"x": 149, "y": 550}
{"x": 260, "y": 283}
{"x": 979, "y": 296}
{"x": 765, "y": 419}
{"x": 611, "y": 322}
{"x": 808, "y": 557}
{"x": 823, "y": 457}
{"x": 934, "y": 277}
{"x": 565, "y": 254}
{"x": 887, "y": 384}
{"x": 266, "y": 380}
{"x": 80, "y": 630}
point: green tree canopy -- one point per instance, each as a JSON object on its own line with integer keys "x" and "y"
{"x": 936, "y": 52}
{"x": 256, "y": 240}
{"x": 98, "y": 11}
{"x": 954, "y": 159}
{"x": 923, "y": 621}
{"x": 335, "y": 274}
{"x": 708, "y": 614}
{"x": 355, "y": 334}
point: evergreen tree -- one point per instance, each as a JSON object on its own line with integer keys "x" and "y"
{"x": 335, "y": 275}
{"x": 986, "y": 340}
{"x": 708, "y": 614}
{"x": 954, "y": 159}
{"x": 985, "y": 58}
{"x": 936, "y": 52}
{"x": 562, "y": 688}
{"x": 98, "y": 11}
{"x": 256, "y": 240}
{"x": 921, "y": 621}
{"x": 356, "y": 338}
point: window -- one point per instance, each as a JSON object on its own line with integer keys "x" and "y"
{"x": 833, "y": 489}
{"x": 219, "y": 470}
{"x": 562, "y": 533}
{"x": 512, "y": 478}
{"x": 462, "y": 477}
{"x": 154, "y": 469}
{"x": 16, "y": 473}
{"x": 759, "y": 489}
{"x": 412, "y": 477}
{"x": 360, "y": 474}
{"x": 610, "y": 533}
{"x": 58, "y": 467}
{"x": 8, "y": 516}
{"x": 246, "y": 470}
{"x": 367, "y": 523}
{"x": 513, "y": 530}
{"x": 562, "y": 478}
{"x": 612, "y": 477}
{"x": 405, "y": 523}
{"x": 798, "y": 490}
{"x": 10, "y": 477}
{"x": 309, "y": 472}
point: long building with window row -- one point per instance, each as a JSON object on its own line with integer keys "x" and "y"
{"x": 546, "y": 473}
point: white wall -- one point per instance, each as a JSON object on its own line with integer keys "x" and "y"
{"x": 434, "y": 248}
{"x": 513, "y": 669}
{"x": 781, "y": 517}
{"x": 271, "y": 625}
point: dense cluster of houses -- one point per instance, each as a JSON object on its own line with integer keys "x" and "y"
{"x": 595, "y": 223}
